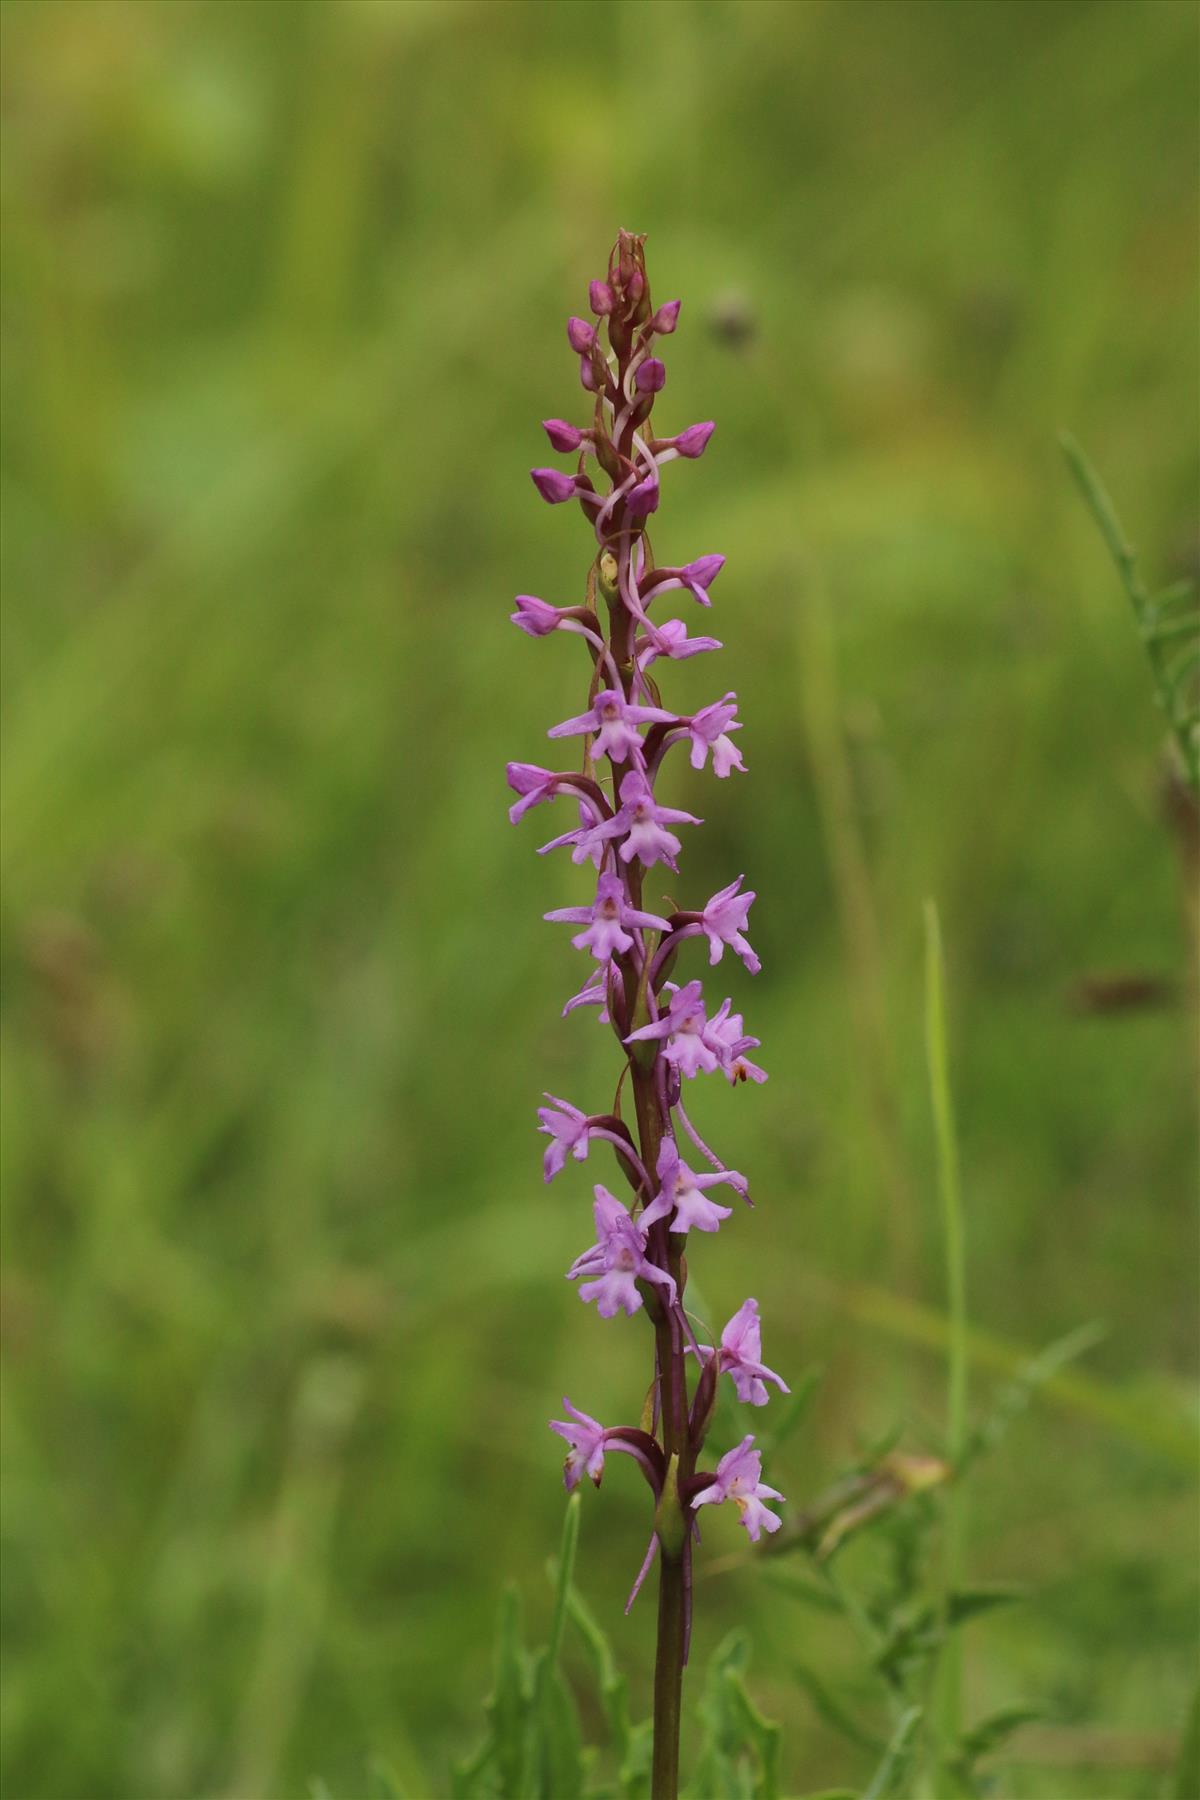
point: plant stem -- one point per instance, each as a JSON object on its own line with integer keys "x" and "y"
{"x": 668, "y": 1680}
{"x": 668, "y": 1666}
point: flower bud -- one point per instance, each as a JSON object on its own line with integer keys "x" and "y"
{"x": 666, "y": 318}
{"x": 601, "y": 298}
{"x": 536, "y": 617}
{"x": 587, "y": 374}
{"x": 580, "y": 335}
{"x": 565, "y": 437}
{"x": 553, "y": 485}
{"x": 643, "y": 499}
{"x": 694, "y": 441}
{"x": 651, "y": 376}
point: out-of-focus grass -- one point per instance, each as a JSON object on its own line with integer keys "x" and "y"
{"x": 283, "y": 294}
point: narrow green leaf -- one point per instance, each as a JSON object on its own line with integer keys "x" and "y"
{"x": 885, "y": 1783}
{"x": 560, "y": 1741}
{"x": 948, "y": 1675}
{"x": 508, "y": 1707}
{"x": 566, "y": 1571}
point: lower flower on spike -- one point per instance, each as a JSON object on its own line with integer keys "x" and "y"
{"x": 737, "y": 1479}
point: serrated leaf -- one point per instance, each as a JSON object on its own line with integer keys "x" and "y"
{"x": 834, "y": 1714}
{"x": 763, "y": 1733}
{"x": 967, "y": 1603}
{"x": 614, "y": 1691}
{"x": 990, "y": 1733}
{"x": 798, "y": 1586}
{"x": 885, "y": 1783}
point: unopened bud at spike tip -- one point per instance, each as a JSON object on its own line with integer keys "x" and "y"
{"x": 666, "y": 318}
{"x": 651, "y": 377}
{"x": 601, "y": 298}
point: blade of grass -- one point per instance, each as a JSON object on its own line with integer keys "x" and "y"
{"x": 947, "y": 1712}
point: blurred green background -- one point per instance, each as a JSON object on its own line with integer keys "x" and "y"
{"x": 284, "y": 290}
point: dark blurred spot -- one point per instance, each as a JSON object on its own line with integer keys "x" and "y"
{"x": 731, "y": 319}
{"x": 1118, "y": 994}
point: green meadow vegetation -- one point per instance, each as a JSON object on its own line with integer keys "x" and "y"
{"x": 284, "y": 289}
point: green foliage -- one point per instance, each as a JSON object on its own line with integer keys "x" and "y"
{"x": 1168, "y": 622}
{"x": 739, "y": 1750}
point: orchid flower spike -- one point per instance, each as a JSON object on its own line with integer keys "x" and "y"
{"x": 625, "y": 824}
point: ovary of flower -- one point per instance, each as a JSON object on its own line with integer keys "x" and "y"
{"x": 740, "y": 1355}
{"x": 708, "y": 731}
{"x": 685, "y": 1029}
{"x": 617, "y": 1259}
{"x": 680, "y": 1198}
{"x": 737, "y": 1479}
{"x": 615, "y": 722}
{"x": 724, "y": 920}
{"x": 585, "y": 1438}
{"x": 606, "y": 920}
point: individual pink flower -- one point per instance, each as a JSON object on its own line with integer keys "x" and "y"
{"x": 725, "y": 1037}
{"x": 724, "y": 921}
{"x": 617, "y": 1260}
{"x": 679, "y": 1197}
{"x": 740, "y": 1355}
{"x": 614, "y": 720}
{"x": 708, "y": 730}
{"x": 671, "y": 639}
{"x": 607, "y": 920}
{"x": 585, "y": 1440}
{"x": 642, "y": 823}
{"x": 685, "y": 1028}
{"x": 738, "y": 1479}
{"x": 568, "y": 1131}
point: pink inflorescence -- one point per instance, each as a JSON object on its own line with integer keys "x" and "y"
{"x": 669, "y": 1033}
